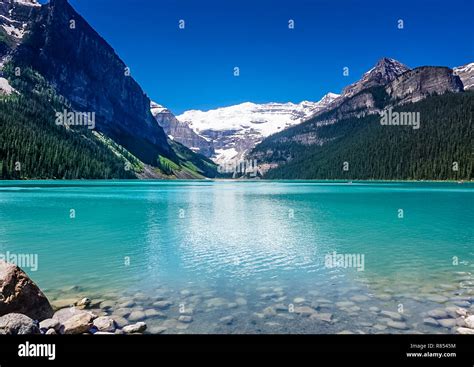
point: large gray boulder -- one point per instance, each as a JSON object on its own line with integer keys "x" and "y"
{"x": 17, "y": 324}
{"x": 19, "y": 294}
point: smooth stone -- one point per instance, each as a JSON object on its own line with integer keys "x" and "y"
{"x": 395, "y": 316}
{"x": 469, "y": 321}
{"x": 186, "y": 293}
{"x": 78, "y": 324}
{"x": 105, "y": 323}
{"x": 269, "y": 312}
{"x": 241, "y": 301}
{"x": 374, "y": 309}
{"x": 66, "y": 313}
{"x": 304, "y": 311}
{"x": 51, "y": 332}
{"x": 397, "y": 325}
{"x": 345, "y": 304}
{"x": 380, "y": 327}
{"x": 359, "y": 298}
{"x": 154, "y": 313}
{"x": 272, "y": 324}
{"x": 299, "y": 300}
{"x": 216, "y": 302}
{"x": 430, "y": 321}
{"x": 228, "y": 320}
{"x": 462, "y": 303}
{"x": 107, "y": 305}
{"x": 460, "y": 322}
{"x": 127, "y": 304}
{"x": 18, "y": 324}
{"x": 447, "y": 323}
{"x": 85, "y": 302}
{"x": 139, "y": 327}
{"x": 437, "y": 314}
{"x": 185, "y": 319}
{"x": 49, "y": 324}
{"x": 124, "y": 312}
{"x": 120, "y": 321}
{"x": 437, "y": 298}
{"x": 326, "y": 317}
{"x": 384, "y": 297}
{"x": 162, "y": 305}
{"x": 140, "y": 297}
{"x": 354, "y": 309}
{"x": 461, "y": 312}
{"x": 137, "y": 316}
{"x": 63, "y": 303}
{"x": 465, "y": 331}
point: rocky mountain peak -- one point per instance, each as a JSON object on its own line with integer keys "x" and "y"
{"x": 384, "y": 71}
{"x": 91, "y": 76}
{"x": 180, "y": 131}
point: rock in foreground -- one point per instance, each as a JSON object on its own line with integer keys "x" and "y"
{"x": 17, "y": 324}
{"x": 21, "y": 295}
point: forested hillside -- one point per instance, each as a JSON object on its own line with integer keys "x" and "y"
{"x": 441, "y": 149}
{"x": 33, "y": 146}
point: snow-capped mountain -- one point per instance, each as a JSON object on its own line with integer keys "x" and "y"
{"x": 235, "y": 130}
{"x": 466, "y": 74}
{"x": 180, "y": 131}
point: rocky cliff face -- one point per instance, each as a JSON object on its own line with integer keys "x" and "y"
{"x": 86, "y": 70}
{"x": 466, "y": 73}
{"x": 381, "y": 74}
{"x": 180, "y": 131}
{"x": 418, "y": 83}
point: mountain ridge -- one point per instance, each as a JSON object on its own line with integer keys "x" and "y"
{"x": 405, "y": 86}
{"x": 92, "y": 78}
{"x": 234, "y": 130}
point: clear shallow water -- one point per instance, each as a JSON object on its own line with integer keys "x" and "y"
{"x": 210, "y": 246}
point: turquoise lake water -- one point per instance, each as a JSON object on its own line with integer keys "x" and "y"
{"x": 249, "y": 250}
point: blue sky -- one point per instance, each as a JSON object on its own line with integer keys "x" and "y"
{"x": 193, "y": 68}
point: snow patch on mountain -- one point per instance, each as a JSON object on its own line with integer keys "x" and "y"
{"x": 235, "y": 130}
{"x": 27, "y": 2}
{"x": 466, "y": 74}
{"x": 5, "y": 87}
